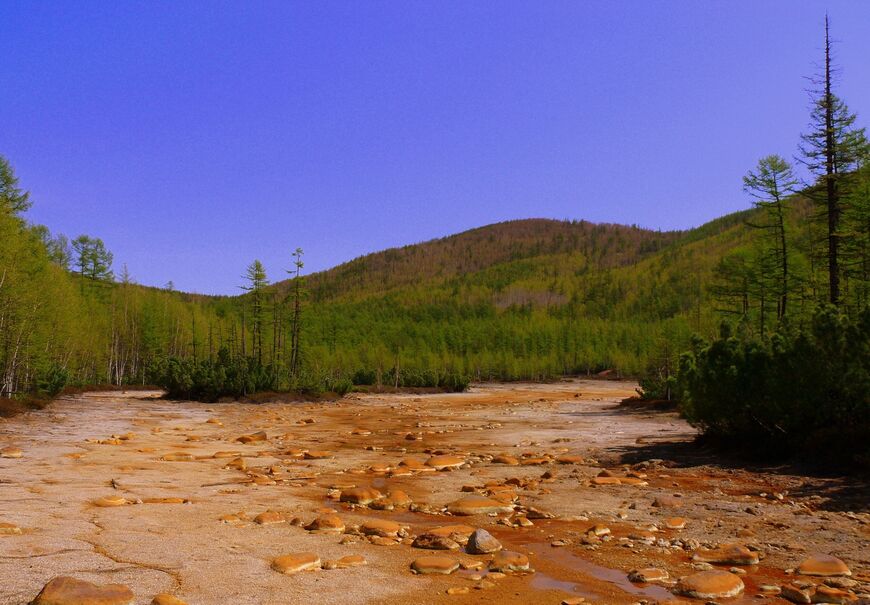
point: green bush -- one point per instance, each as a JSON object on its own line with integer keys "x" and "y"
{"x": 786, "y": 393}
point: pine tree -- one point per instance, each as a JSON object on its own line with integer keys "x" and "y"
{"x": 12, "y": 199}
{"x": 257, "y": 281}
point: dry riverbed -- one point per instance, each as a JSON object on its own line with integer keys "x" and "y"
{"x": 344, "y": 502}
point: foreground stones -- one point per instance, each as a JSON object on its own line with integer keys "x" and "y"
{"x": 710, "y": 585}
{"x": 727, "y": 554}
{"x": 11, "y": 452}
{"x": 477, "y": 505}
{"x": 481, "y": 542}
{"x": 506, "y": 560}
{"x": 294, "y": 563}
{"x": 64, "y": 590}
{"x": 434, "y": 564}
{"x": 823, "y": 565}
{"x": 166, "y": 599}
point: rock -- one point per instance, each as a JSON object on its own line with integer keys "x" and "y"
{"x": 270, "y": 517}
{"x": 317, "y": 455}
{"x": 710, "y": 585}
{"x": 605, "y": 481}
{"x": 796, "y": 594}
{"x": 675, "y": 522}
{"x": 823, "y": 565}
{"x": 566, "y": 459}
{"x": 394, "y": 499}
{"x": 351, "y": 561}
{"x": 434, "y": 542}
{"x": 506, "y": 560}
{"x": 253, "y": 438}
{"x": 434, "y": 564}
{"x": 166, "y": 599}
{"x": 727, "y": 554}
{"x": 459, "y": 533}
{"x": 177, "y": 457}
{"x": 828, "y": 594}
{"x": 456, "y": 590}
{"x": 598, "y": 529}
{"x": 238, "y": 464}
{"x": 165, "y": 501}
{"x": 667, "y": 502}
{"x": 505, "y": 459}
{"x": 294, "y": 563}
{"x": 109, "y": 501}
{"x": 381, "y": 527}
{"x": 477, "y": 505}
{"x": 360, "y": 495}
{"x": 9, "y": 529}
{"x": 573, "y": 601}
{"x": 326, "y": 524}
{"x": 11, "y": 452}
{"x": 481, "y": 542}
{"x": 647, "y": 575}
{"x": 64, "y": 590}
{"x": 443, "y": 462}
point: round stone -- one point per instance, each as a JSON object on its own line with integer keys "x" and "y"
{"x": 435, "y": 564}
{"x": 360, "y": 495}
{"x": 505, "y": 459}
{"x": 381, "y": 527}
{"x": 710, "y": 585}
{"x": 64, "y": 590}
{"x": 823, "y": 565}
{"x": 326, "y": 524}
{"x": 294, "y": 563}
{"x": 727, "y": 554}
{"x": 675, "y": 522}
{"x": 447, "y": 461}
{"x": 270, "y": 517}
{"x": 481, "y": 542}
{"x": 477, "y": 505}
{"x": 506, "y": 560}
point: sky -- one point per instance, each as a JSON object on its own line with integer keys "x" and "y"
{"x": 194, "y": 137}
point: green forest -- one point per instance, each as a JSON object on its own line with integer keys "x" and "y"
{"x": 528, "y": 299}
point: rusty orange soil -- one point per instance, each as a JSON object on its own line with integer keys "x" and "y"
{"x": 141, "y": 449}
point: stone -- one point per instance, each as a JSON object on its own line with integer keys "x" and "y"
{"x": 823, "y": 565}
{"x": 165, "y": 501}
{"x": 829, "y": 594}
{"x": 326, "y": 524}
{"x": 477, "y": 505}
{"x": 270, "y": 517}
{"x": 727, "y": 554}
{"x": 457, "y": 590}
{"x": 481, "y": 542}
{"x": 166, "y": 599}
{"x": 605, "y": 481}
{"x": 238, "y": 464}
{"x": 647, "y": 575}
{"x": 253, "y": 438}
{"x": 710, "y": 585}
{"x": 360, "y": 495}
{"x": 459, "y": 533}
{"x": 394, "y": 499}
{"x": 64, "y": 590}
{"x": 444, "y": 462}
{"x": 434, "y": 564}
{"x": 11, "y": 452}
{"x": 506, "y": 560}
{"x": 381, "y": 527}
{"x": 9, "y": 529}
{"x": 317, "y": 455}
{"x": 434, "y": 542}
{"x": 675, "y": 522}
{"x": 351, "y": 561}
{"x": 567, "y": 459}
{"x": 109, "y": 501}
{"x": 667, "y": 502}
{"x": 177, "y": 457}
{"x": 226, "y": 454}
{"x": 294, "y": 563}
{"x": 796, "y": 594}
{"x": 505, "y": 459}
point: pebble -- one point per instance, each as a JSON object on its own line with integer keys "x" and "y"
{"x": 294, "y": 563}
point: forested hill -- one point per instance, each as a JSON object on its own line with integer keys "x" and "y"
{"x": 524, "y": 299}
{"x": 604, "y": 245}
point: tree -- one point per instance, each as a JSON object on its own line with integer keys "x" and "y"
{"x": 94, "y": 260}
{"x": 256, "y": 276}
{"x": 296, "y": 328}
{"x": 769, "y": 184}
{"x": 832, "y": 148}
{"x": 12, "y": 199}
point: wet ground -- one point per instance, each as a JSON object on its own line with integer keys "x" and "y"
{"x": 131, "y": 489}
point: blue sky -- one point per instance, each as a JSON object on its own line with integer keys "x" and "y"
{"x": 194, "y": 137}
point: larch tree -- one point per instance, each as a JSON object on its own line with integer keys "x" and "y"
{"x": 13, "y": 199}
{"x": 257, "y": 281}
{"x": 770, "y": 183}
{"x": 296, "y": 326}
{"x": 831, "y": 148}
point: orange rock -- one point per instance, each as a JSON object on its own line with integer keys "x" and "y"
{"x": 727, "y": 554}
{"x": 270, "y": 517}
{"x": 166, "y": 599}
{"x": 64, "y": 590}
{"x": 294, "y": 563}
{"x": 11, "y": 452}
{"x": 435, "y": 564}
{"x": 710, "y": 585}
{"x": 360, "y": 495}
{"x": 477, "y": 505}
{"x": 381, "y": 527}
{"x": 505, "y": 459}
{"x": 9, "y": 529}
{"x": 605, "y": 481}
{"x": 253, "y": 437}
{"x": 177, "y": 457}
{"x": 823, "y": 565}
{"x": 326, "y": 524}
{"x": 506, "y": 560}
{"x": 108, "y": 501}
{"x": 447, "y": 461}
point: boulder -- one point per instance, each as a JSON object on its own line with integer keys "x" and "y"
{"x": 64, "y": 590}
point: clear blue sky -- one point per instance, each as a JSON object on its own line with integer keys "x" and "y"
{"x": 194, "y": 137}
